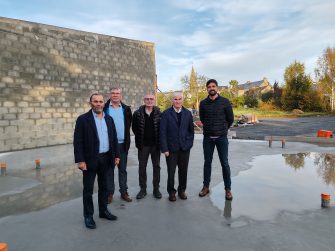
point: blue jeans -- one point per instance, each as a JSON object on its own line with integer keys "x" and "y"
{"x": 221, "y": 144}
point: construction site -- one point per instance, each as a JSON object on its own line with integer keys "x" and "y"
{"x": 277, "y": 201}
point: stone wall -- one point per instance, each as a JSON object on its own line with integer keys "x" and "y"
{"x": 47, "y": 74}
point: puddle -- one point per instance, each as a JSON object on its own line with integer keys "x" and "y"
{"x": 276, "y": 183}
{"x": 53, "y": 184}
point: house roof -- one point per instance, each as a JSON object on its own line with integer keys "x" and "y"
{"x": 221, "y": 87}
{"x": 249, "y": 85}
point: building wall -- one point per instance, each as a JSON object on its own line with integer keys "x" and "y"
{"x": 47, "y": 74}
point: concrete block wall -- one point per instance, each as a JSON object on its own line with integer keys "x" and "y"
{"x": 47, "y": 74}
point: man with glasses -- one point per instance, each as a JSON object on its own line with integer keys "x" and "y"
{"x": 122, "y": 117}
{"x": 216, "y": 115}
{"x": 146, "y": 122}
{"x": 96, "y": 152}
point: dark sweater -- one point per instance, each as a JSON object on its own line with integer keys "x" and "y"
{"x": 149, "y": 135}
{"x": 139, "y": 125}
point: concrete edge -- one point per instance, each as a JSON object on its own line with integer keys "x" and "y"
{"x": 304, "y": 139}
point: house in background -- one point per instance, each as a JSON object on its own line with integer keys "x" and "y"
{"x": 261, "y": 87}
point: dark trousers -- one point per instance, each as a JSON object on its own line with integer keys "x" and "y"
{"x": 104, "y": 164}
{"x": 221, "y": 144}
{"x": 143, "y": 156}
{"x": 122, "y": 171}
{"x": 179, "y": 159}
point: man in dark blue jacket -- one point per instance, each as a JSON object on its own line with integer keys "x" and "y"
{"x": 176, "y": 141}
{"x": 216, "y": 115}
{"x": 95, "y": 151}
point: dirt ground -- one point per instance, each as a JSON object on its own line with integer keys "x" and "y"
{"x": 307, "y": 126}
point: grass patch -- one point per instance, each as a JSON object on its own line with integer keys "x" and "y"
{"x": 260, "y": 113}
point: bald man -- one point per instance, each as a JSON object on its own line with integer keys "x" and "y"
{"x": 146, "y": 123}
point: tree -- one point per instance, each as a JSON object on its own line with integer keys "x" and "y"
{"x": 194, "y": 88}
{"x": 193, "y": 84}
{"x": 277, "y": 94}
{"x": 325, "y": 74}
{"x": 164, "y": 100}
{"x": 234, "y": 87}
{"x": 296, "y": 161}
{"x": 297, "y": 84}
{"x": 250, "y": 100}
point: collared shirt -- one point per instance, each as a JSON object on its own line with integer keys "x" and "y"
{"x": 118, "y": 117}
{"x": 102, "y": 133}
{"x": 177, "y": 110}
{"x": 178, "y": 113}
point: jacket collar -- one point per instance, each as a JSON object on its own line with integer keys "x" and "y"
{"x": 91, "y": 122}
{"x": 210, "y": 100}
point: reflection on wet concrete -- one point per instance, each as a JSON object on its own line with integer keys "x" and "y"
{"x": 13, "y": 185}
{"x": 276, "y": 183}
{"x": 55, "y": 184}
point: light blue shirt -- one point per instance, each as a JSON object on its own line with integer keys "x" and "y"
{"x": 118, "y": 117}
{"x": 102, "y": 133}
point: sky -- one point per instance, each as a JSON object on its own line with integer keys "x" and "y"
{"x": 222, "y": 39}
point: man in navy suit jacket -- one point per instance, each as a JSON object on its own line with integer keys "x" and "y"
{"x": 95, "y": 151}
{"x": 176, "y": 141}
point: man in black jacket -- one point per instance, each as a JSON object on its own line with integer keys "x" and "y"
{"x": 146, "y": 129}
{"x": 122, "y": 117}
{"x": 216, "y": 115}
{"x": 96, "y": 152}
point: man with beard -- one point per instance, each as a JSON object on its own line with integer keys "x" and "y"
{"x": 96, "y": 152}
{"x": 216, "y": 115}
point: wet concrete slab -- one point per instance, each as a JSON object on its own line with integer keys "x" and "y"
{"x": 277, "y": 183}
{"x": 249, "y": 222}
{"x": 15, "y": 185}
{"x": 35, "y": 189}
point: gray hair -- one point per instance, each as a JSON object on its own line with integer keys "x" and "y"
{"x": 177, "y": 94}
{"x": 116, "y": 88}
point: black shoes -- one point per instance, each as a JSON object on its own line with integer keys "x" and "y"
{"x": 141, "y": 194}
{"x": 157, "y": 194}
{"x": 107, "y": 215}
{"x": 90, "y": 223}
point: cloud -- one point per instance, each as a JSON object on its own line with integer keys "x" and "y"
{"x": 226, "y": 40}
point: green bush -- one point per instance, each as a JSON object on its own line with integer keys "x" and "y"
{"x": 250, "y": 100}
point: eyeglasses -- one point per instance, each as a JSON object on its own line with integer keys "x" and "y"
{"x": 115, "y": 93}
{"x": 149, "y": 99}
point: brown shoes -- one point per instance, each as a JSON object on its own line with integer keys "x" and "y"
{"x": 204, "y": 191}
{"x": 182, "y": 195}
{"x": 229, "y": 195}
{"x": 172, "y": 196}
{"x": 125, "y": 197}
{"x": 110, "y": 199}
